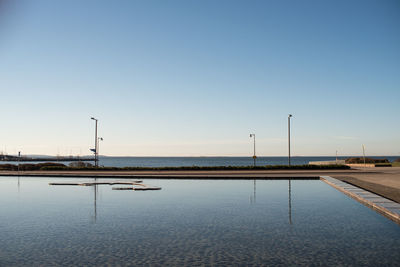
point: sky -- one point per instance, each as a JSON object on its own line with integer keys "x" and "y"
{"x": 195, "y": 78}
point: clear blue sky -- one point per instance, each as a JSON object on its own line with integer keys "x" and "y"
{"x": 195, "y": 78}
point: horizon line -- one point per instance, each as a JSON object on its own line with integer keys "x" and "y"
{"x": 205, "y": 156}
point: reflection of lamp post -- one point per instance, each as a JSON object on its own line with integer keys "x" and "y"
{"x": 254, "y": 154}
{"x": 290, "y": 115}
{"x": 95, "y": 144}
{"x": 95, "y": 201}
{"x": 290, "y": 202}
{"x": 254, "y": 194}
{"x": 253, "y": 198}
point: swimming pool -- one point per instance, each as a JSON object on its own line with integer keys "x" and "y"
{"x": 190, "y": 222}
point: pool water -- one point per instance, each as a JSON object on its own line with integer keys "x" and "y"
{"x": 189, "y": 223}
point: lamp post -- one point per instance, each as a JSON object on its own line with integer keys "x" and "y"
{"x": 336, "y": 158}
{"x": 95, "y": 144}
{"x": 363, "y": 147}
{"x": 290, "y": 115}
{"x": 98, "y": 147}
{"x": 19, "y": 159}
{"x": 254, "y": 144}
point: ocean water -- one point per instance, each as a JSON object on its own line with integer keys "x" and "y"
{"x": 203, "y": 161}
{"x": 190, "y": 223}
{"x": 209, "y": 161}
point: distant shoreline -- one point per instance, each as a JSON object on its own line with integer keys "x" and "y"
{"x": 89, "y": 157}
{"x": 45, "y": 159}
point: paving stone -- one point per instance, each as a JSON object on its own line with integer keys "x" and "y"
{"x": 366, "y": 195}
{"x": 356, "y": 190}
{"x": 390, "y": 205}
{"x": 376, "y": 198}
{"x": 394, "y": 210}
{"x": 352, "y": 189}
{"x": 383, "y": 202}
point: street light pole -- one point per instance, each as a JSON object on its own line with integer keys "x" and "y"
{"x": 363, "y": 147}
{"x": 254, "y": 149}
{"x": 336, "y": 158}
{"x": 290, "y": 115}
{"x": 98, "y": 147}
{"x": 95, "y": 144}
{"x": 19, "y": 159}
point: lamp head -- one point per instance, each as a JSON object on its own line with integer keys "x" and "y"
{"x": 93, "y": 118}
{"x": 290, "y": 115}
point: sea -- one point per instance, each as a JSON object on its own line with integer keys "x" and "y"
{"x": 210, "y": 161}
{"x": 107, "y": 161}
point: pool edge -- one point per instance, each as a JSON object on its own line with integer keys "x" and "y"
{"x": 376, "y": 202}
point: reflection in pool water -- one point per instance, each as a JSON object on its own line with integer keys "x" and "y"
{"x": 188, "y": 222}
